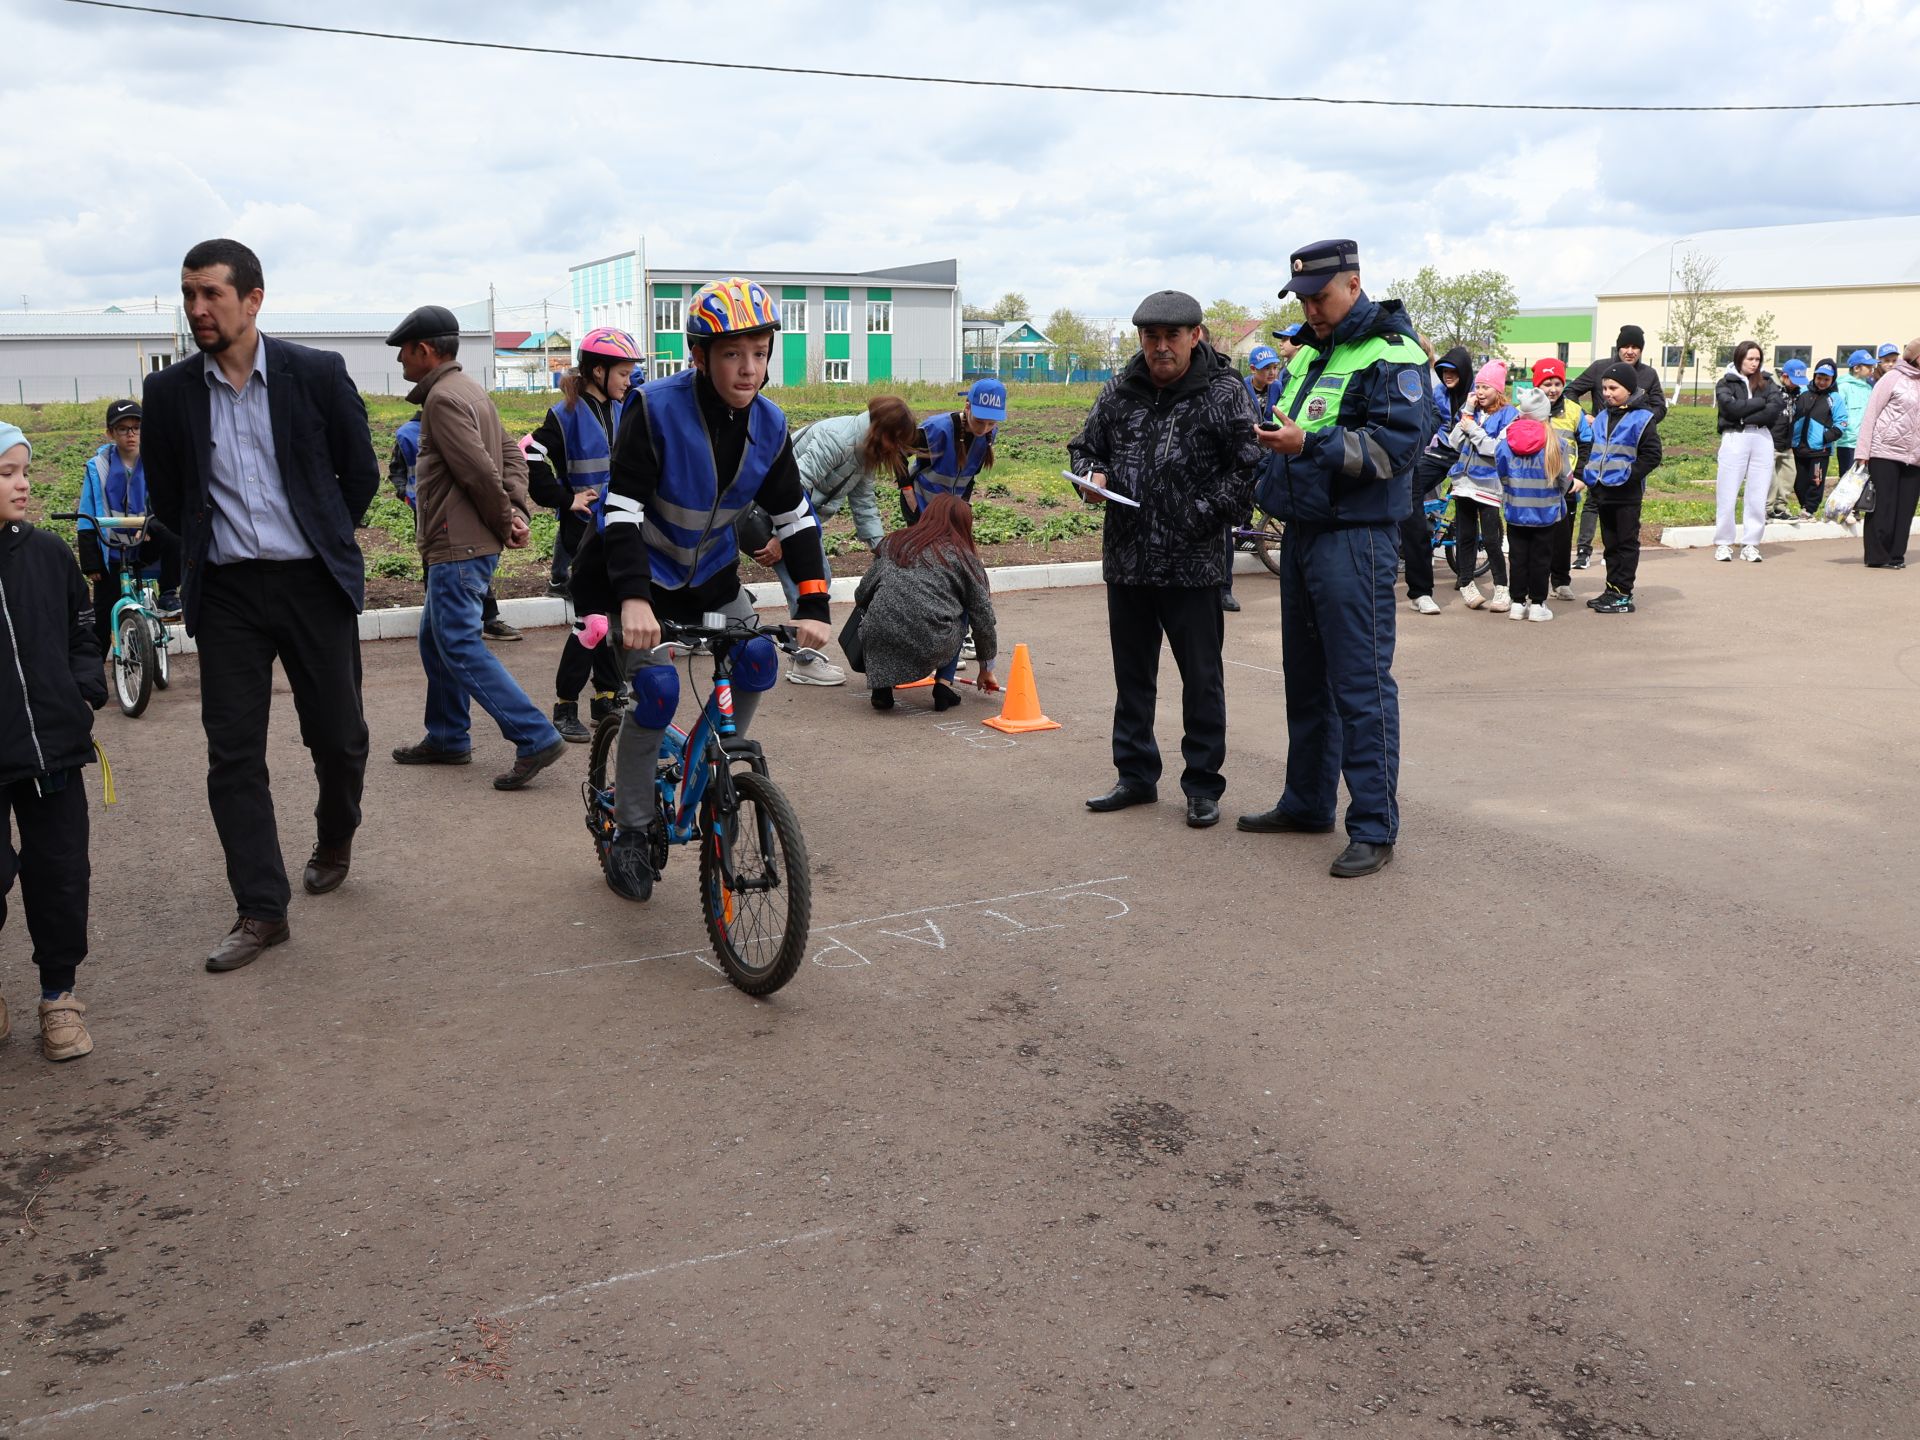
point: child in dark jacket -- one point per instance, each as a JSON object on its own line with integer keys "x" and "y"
{"x": 1626, "y": 449}
{"x": 48, "y": 681}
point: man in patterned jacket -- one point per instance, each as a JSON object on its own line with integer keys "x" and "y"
{"x": 1173, "y": 433}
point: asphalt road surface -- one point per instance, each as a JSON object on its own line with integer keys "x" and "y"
{"x": 1593, "y": 1116}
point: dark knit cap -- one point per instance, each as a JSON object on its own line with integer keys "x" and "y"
{"x": 1623, "y": 375}
{"x": 1168, "y": 307}
{"x": 1631, "y": 335}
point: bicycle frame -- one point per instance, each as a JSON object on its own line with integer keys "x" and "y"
{"x": 703, "y": 754}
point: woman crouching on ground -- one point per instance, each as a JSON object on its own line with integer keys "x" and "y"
{"x": 926, "y": 581}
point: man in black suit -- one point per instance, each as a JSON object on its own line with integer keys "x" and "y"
{"x": 258, "y": 457}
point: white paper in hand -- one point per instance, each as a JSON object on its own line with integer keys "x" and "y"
{"x": 1087, "y": 484}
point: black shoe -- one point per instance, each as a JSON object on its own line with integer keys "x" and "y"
{"x": 1614, "y": 603}
{"x": 498, "y": 629}
{"x": 1585, "y": 558}
{"x": 629, "y": 871}
{"x": 170, "y": 605}
{"x": 1202, "y": 812}
{"x": 605, "y": 704}
{"x": 559, "y": 588}
{"x": 425, "y": 754}
{"x": 881, "y": 698}
{"x": 1277, "y": 822}
{"x": 1360, "y": 858}
{"x": 1895, "y": 565}
{"x": 1121, "y": 796}
{"x": 1228, "y": 603}
{"x": 566, "y": 719}
{"x": 945, "y": 697}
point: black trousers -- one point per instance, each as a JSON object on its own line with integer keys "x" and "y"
{"x": 106, "y": 587}
{"x": 1809, "y": 479}
{"x": 1896, "y": 490}
{"x": 1190, "y": 618}
{"x": 250, "y": 614}
{"x": 51, "y": 862}
{"x": 1471, "y": 521}
{"x": 1416, "y": 535}
{"x": 577, "y": 662}
{"x": 566, "y": 543}
{"x": 1620, "y": 535}
{"x": 1533, "y": 548}
{"x": 1233, "y": 547}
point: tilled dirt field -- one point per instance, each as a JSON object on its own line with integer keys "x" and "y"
{"x": 1593, "y": 1116}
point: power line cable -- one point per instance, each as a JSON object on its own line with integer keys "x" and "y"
{"x": 1057, "y": 88}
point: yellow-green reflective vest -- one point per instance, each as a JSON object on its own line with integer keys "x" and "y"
{"x": 1321, "y": 406}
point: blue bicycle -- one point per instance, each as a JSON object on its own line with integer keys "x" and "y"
{"x": 756, "y": 891}
{"x": 137, "y": 636}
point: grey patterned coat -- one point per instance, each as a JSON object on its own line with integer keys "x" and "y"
{"x": 917, "y": 615}
{"x": 1187, "y": 454}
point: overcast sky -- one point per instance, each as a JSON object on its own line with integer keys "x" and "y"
{"x": 375, "y": 175}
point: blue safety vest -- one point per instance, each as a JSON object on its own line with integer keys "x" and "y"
{"x": 111, "y": 489}
{"x": 1527, "y": 496}
{"x": 689, "y": 522}
{"x": 589, "y": 451}
{"x": 941, "y": 472}
{"x": 407, "y": 441}
{"x": 1478, "y": 468}
{"x": 1264, "y": 400}
{"x": 1615, "y": 443}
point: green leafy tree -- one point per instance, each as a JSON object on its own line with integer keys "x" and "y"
{"x": 1077, "y": 343}
{"x": 1225, "y": 320}
{"x": 1465, "y": 309}
{"x": 1277, "y": 316}
{"x": 1010, "y": 306}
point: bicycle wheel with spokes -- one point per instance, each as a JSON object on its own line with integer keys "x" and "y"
{"x": 162, "y": 666}
{"x": 755, "y": 888}
{"x": 1267, "y": 543}
{"x": 133, "y": 666}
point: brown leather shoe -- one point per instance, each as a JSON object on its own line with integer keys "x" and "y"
{"x": 528, "y": 766}
{"x": 246, "y": 942}
{"x": 425, "y": 754}
{"x": 328, "y": 868}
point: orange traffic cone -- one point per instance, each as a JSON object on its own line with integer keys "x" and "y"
{"x": 1021, "y": 712}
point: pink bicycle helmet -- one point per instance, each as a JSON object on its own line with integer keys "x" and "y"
{"x": 607, "y": 343}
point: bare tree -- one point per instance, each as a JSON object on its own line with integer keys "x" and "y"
{"x": 1698, "y": 317}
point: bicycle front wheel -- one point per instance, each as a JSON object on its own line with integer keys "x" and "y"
{"x": 1272, "y": 531}
{"x": 162, "y": 666}
{"x": 133, "y": 666}
{"x": 755, "y": 888}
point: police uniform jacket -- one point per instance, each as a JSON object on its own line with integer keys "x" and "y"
{"x": 1362, "y": 437}
{"x": 1186, "y": 453}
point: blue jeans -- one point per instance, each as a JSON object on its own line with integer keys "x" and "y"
{"x": 460, "y": 669}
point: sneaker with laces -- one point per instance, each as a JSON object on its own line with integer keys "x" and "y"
{"x": 1517, "y": 610}
{"x": 1585, "y": 558}
{"x": 1501, "y": 599}
{"x": 498, "y": 629}
{"x": 566, "y": 719}
{"x": 63, "y": 1034}
{"x": 810, "y": 667}
{"x": 1470, "y": 593}
{"x": 966, "y": 648}
{"x": 1751, "y": 554}
{"x": 1539, "y": 612}
{"x": 629, "y": 869}
{"x": 1723, "y": 552}
{"x": 1424, "y": 605}
{"x": 1563, "y": 592}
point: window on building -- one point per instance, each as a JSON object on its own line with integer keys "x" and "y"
{"x": 668, "y": 315}
{"x": 1566, "y": 352}
{"x": 839, "y": 317}
{"x": 159, "y": 362}
{"x": 1670, "y": 357}
{"x": 665, "y": 365}
{"x": 879, "y": 317}
{"x": 793, "y": 316}
{"x": 838, "y": 371}
{"x": 1783, "y": 353}
{"x": 1723, "y": 357}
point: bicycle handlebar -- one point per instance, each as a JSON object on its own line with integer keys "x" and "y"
{"x": 713, "y": 626}
{"x": 105, "y": 522}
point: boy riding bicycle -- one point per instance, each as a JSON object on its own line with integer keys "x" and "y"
{"x": 669, "y": 550}
{"x": 116, "y": 484}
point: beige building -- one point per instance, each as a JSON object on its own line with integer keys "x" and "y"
{"x": 1832, "y": 288}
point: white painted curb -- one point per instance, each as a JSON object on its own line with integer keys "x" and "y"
{"x": 1778, "y": 532}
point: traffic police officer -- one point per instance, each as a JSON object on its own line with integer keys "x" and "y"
{"x": 1354, "y": 417}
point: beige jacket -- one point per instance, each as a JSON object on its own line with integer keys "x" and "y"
{"x": 470, "y": 477}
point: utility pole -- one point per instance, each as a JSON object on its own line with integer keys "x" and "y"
{"x": 546, "y": 334}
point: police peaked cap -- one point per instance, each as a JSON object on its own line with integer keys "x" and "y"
{"x": 429, "y": 322}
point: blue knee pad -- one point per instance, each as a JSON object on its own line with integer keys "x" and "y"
{"x": 756, "y": 665}
{"x": 656, "y": 695}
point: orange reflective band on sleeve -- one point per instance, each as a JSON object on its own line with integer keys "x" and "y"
{"x": 813, "y": 587}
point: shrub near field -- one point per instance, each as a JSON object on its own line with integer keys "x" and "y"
{"x": 1023, "y": 509}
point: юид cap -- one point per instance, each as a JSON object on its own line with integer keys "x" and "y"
{"x": 122, "y": 410}
{"x": 1262, "y": 356}
{"x": 987, "y": 398}
{"x": 1888, "y": 349}
{"x": 429, "y": 322}
{"x": 1312, "y": 266}
{"x": 1287, "y": 332}
{"x": 1859, "y": 357}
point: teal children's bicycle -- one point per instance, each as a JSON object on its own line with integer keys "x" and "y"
{"x": 756, "y": 892}
{"x": 138, "y": 634}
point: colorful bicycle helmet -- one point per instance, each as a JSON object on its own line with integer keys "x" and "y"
{"x": 607, "y": 343}
{"x": 733, "y": 306}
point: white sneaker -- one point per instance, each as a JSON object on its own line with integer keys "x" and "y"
{"x": 1424, "y": 605}
{"x": 1470, "y": 593}
{"x": 1539, "y": 612}
{"x": 1563, "y": 592}
{"x": 966, "y": 648}
{"x": 810, "y": 667}
{"x": 1723, "y": 552}
{"x": 1517, "y": 611}
{"x": 1501, "y": 600}
{"x": 1751, "y": 554}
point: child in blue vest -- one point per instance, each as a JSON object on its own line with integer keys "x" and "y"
{"x": 1535, "y": 465}
{"x": 957, "y": 446}
{"x": 116, "y": 484}
{"x": 567, "y": 465}
{"x": 694, "y": 450}
{"x": 1626, "y": 449}
{"x": 1476, "y": 485}
{"x": 1263, "y": 380}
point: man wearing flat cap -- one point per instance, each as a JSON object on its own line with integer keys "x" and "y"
{"x": 1355, "y": 415}
{"x": 470, "y": 503}
{"x": 1172, "y": 433}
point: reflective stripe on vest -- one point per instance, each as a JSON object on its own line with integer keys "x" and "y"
{"x": 1615, "y": 443}
{"x": 1528, "y": 497}
{"x": 943, "y": 473}
{"x": 1318, "y": 406}
{"x": 1479, "y": 468}
{"x": 588, "y": 449}
{"x": 689, "y": 522}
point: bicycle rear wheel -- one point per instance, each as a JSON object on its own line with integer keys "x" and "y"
{"x": 756, "y": 891}
{"x": 133, "y": 666}
{"x": 1267, "y": 543}
{"x": 162, "y": 667}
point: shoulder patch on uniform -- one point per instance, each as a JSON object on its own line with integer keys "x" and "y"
{"x": 1410, "y": 384}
